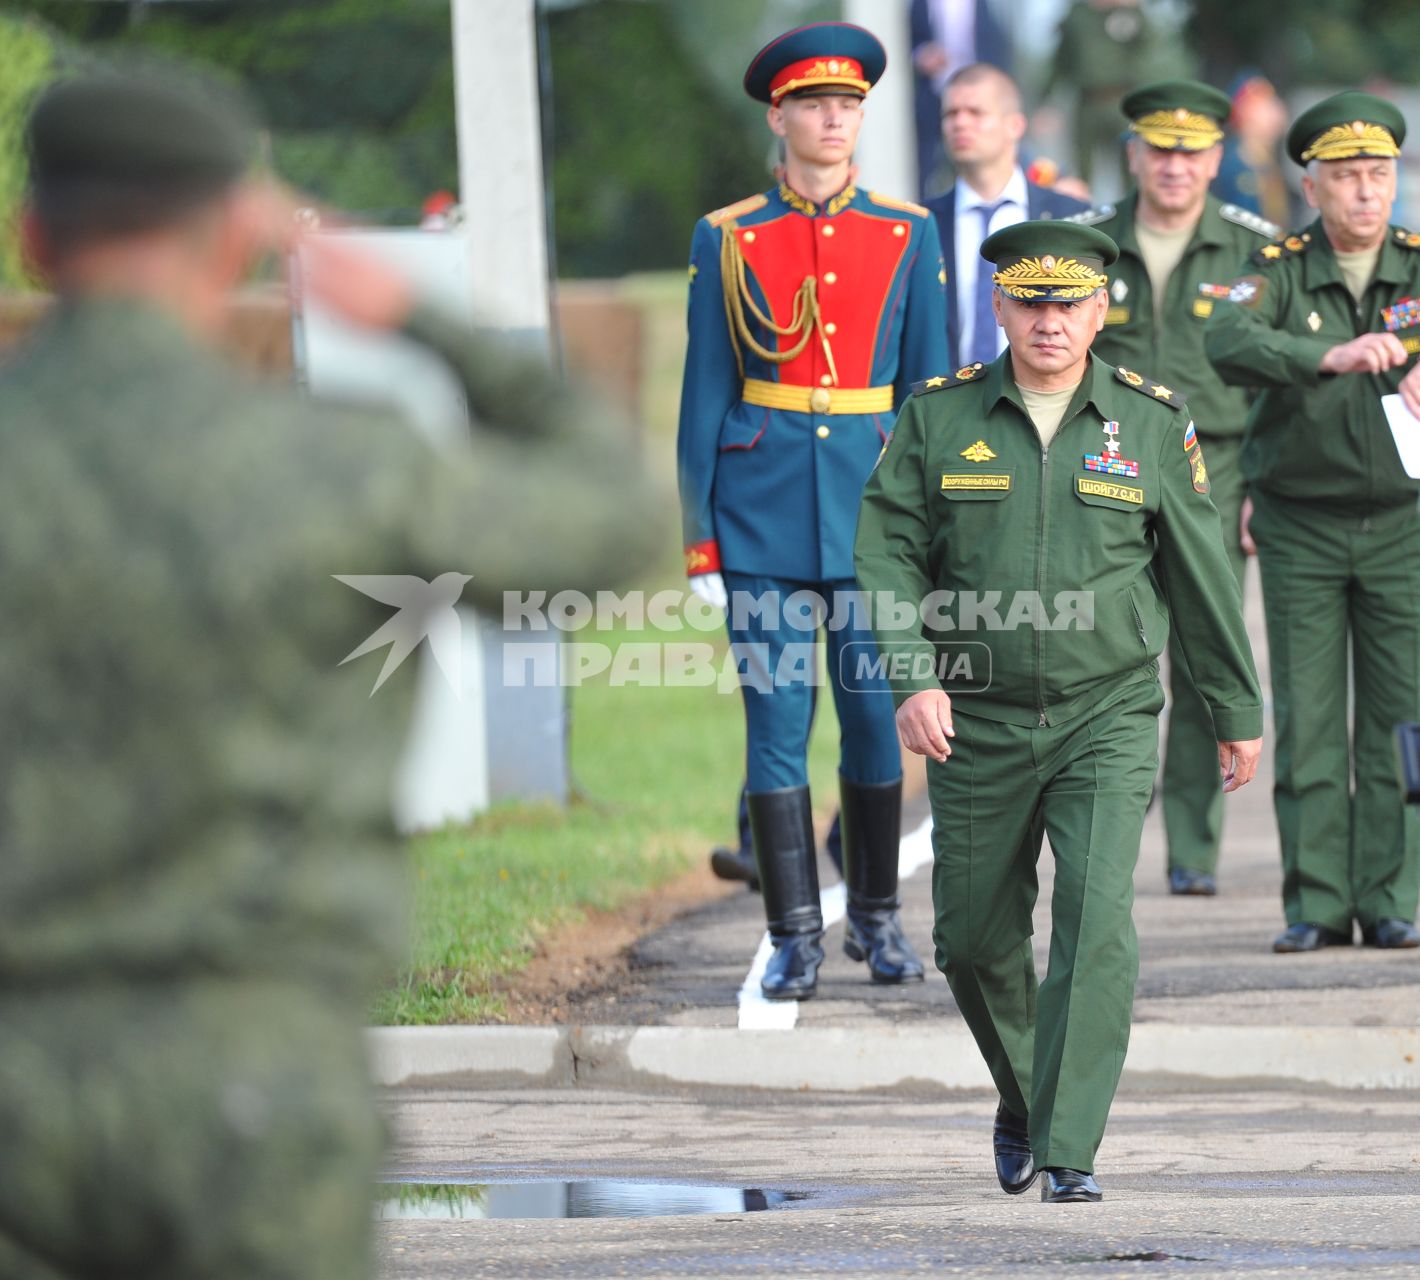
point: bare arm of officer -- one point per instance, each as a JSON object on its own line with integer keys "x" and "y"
{"x": 924, "y": 723}
{"x": 1237, "y": 762}
{"x": 1370, "y": 353}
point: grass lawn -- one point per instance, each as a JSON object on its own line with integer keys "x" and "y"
{"x": 658, "y": 770}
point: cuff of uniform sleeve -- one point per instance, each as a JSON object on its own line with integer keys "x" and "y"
{"x": 1237, "y": 724}
{"x": 1307, "y": 356}
{"x": 702, "y": 557}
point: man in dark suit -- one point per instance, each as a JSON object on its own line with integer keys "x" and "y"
{"x": 946, "y": 36}
{"x": 982, "y": 125}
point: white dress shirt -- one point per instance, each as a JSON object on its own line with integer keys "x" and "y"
{"x": 968, "y": 249}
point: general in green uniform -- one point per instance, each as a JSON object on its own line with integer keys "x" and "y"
{"x": 1326, "y": 323}
{"x": 199, "y": 880}
{"x": 1179, "y": 249}
{"x": 1041, "y": 517}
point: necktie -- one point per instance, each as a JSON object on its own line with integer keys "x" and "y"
{"x": 983, "y": 333}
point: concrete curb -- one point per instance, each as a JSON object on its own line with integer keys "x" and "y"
{"x": 1161, "y": 1057}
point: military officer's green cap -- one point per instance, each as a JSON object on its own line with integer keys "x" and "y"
{"x": 1347, "y": 126}
{"x": 129, "y": 147}
{"x": 1177, "y": 115}
{"x": 1050, "y": 261}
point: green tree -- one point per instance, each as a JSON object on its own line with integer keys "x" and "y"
{"x": 26, "y": 59}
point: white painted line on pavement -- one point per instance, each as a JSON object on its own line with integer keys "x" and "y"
{"x": 759, "y": 1014}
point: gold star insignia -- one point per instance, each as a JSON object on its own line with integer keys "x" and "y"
{"x": 979, "y": 452}
{"x": 1163, "y": 393}
{"x": 942, "y": 275}
{"x": 938, "y": 381}
{"x": 1271, "y": 251}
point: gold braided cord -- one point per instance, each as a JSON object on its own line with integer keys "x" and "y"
{"x": 1348, "y": 141}
{"x": 804, "y": 320}
{"x": 1061, "y": 278}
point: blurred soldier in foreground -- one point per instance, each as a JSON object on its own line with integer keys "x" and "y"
{"x": 1326, "y": 324}
{"x": 1049, "y": 482}
{"x": 813, "y": 306}
{"x": 199, "y": 883}
{"x": 1178, "y": 251}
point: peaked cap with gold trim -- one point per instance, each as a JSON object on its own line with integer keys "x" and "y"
{"x": 1049, "y": 261}
{"x": 1347, "y": 126}
{"x": 823, "y": 57}
{"x": 1177, "y": 115}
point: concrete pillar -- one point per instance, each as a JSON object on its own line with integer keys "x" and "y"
{"x": 887, "y": 147}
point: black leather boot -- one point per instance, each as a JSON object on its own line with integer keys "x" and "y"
{"x": 782, "y": 824}
{"x": 872, "y": 831}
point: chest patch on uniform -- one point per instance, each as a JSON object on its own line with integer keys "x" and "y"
{"x": 979, "y": 452}
{"x": 974, "y": 480}
{"x": 1107, "y": 489}
{"x": 1203, "y": 307}
{"x": 1116, "y": 315}
{"x": 1215, "y": 290}
{"x": 1109, "y": 465}
{"x": 1405, "y": 314}
{"x": 1247, "y": 291}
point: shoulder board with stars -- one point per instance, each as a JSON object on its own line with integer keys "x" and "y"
{"x": 748, "y": 205}
{"x": 903, "y": 206}
{"x": 1100, "y": 213}
{"x": 1148, "y": 387}
{"x": 942, "y": 381}
{"x": 1410, "y": 239}
{"x": 1252, "y": 221}
{"x": 1290, "y": 247}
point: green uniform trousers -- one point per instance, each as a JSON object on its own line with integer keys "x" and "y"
{"x": 200, "y": 1130}
{"x": 1055, "y": 1054}
{"x": 1191, "y": 789}
{"x": 1349, "y": 845}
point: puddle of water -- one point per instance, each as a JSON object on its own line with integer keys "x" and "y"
{"x": 1154, "y": 1255}
{"x": 591, "y": 1199}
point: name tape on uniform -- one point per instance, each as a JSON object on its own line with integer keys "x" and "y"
{"x": 1103, "y": 489}
{"x": 971, "y": 480}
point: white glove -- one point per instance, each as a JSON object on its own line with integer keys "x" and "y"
{"x": 710, "y": 587}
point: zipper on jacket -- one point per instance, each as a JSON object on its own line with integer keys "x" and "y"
{"x": 1138, "y": 621}
{"x": 1040, "y": 573}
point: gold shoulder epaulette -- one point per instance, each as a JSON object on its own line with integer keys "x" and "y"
{"x": 1148, "y": 387}
{"x": 748, "y": 205}
{"x": 904, "y": 206}
{"x": 1253, "y": 222}
{"x": 1410, "y": 239}
{"x": 1100, "y": 213}
{"x": 1289, "y": 247}
{"x": 958, "y": 379}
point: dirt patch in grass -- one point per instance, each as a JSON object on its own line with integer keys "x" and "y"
{"x": 591, "y": 958}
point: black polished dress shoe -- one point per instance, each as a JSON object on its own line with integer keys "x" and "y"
{"x": 877, "y": 937}
{"x": 1069, "y": 1186}
{"x": 1391, "y": 935}
{"x": 792, "y": 971}
{"x": 1015, "y": 1166}
{"x": 735, "y": 864}
{"x": 1309, "y": 937}
{"x": 1192, "y": 884}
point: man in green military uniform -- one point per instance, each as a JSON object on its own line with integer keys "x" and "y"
{"x": 1103, "y": 47}
{"x": 1178, "y": 251}
{"x": 1326, "y": 324}
{"x": 199, "y": 882}
{"x": 1033, "y": 497}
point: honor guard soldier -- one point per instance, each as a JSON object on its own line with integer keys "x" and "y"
{"x": 1178, "y": 252}
{"x": 1326, "y": 323}
{"x": 1024, "y": 508}
{"x": 813, "y": 307}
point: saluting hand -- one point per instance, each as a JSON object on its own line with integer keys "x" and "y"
{"x": 1237, "y": 762}
{"x": 924, "y": 723}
